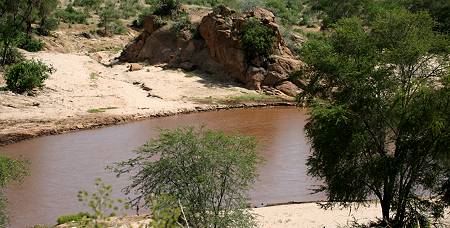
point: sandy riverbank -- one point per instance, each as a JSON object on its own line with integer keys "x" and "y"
{"x": 85, "y": 93}
{"x": 305, "y": 215}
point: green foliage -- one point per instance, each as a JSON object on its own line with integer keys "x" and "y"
{"x": 88, "y": 4}
{"x": 72, "y": 15}
{"x": 10, "y": 171}
{"x": 73, "y": 218}
{"x": 210, "y": 3}
{"x": 258, "y": 39}
{"x": 12, "y": 55}
{"x": 109, "y": 19}
{"x": 46, "y": 14}
{"x": 438, "y": 9}
{"x": 50, "y": 24}
{"x": 167, "y": 7}
{"x": 182, "y": 24}
{"x": 334, "y": 10}
{"x": 289, "y": 11}
{"x": 17, "y": 18}
{"x": 101, "y": 203}
{"x": 144, "y": 12}
{"x": 26, "y": 75}
{"x": 380, "y": 114}
{"x": 129, "y": 8}
{"x": 165, "y": 212}
{"x": 13, "y": 15}
{"x": 208, "y": 172}
{"x": 28, "y": 43}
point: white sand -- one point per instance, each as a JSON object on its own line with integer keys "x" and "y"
{"x": 310, "y": 215}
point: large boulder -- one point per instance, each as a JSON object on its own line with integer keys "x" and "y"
{"x": 218, "y": 50}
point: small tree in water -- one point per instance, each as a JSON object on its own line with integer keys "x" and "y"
{"x": 207, "y": 172}
{"x": 380, "y": 116}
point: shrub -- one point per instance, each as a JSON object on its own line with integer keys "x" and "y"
{"x": 100, "y": 202}
{"x": 48, "y": 25}
{"x": 29, "y": 44}
{"x": 109, "y": 18}
{"x": 72, "y": 16}
{"x": 129, "y": 8}
{"x": 165, "y": 212}
{"x": 89, "y": 4}
{"x": 73, "y": 218}
{"x": 182, "y": 24}
{"x": 258, "y": 39}
{"x": 207, "y": 172}
{"x": 26, "y": 75}
{"x": 167, "y": 7}
{"x": 139, "y": 22}
{"x": 117, "y": 27}
{"x": 12, "y": 55}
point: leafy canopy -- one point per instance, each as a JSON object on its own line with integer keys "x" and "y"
{"x": 207, "y": 172}
{"x": 380, "y": 114}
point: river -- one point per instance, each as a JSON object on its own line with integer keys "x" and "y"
{"x": 62, "y": 165}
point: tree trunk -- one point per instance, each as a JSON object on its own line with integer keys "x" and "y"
{"x": 387, "y": 198}
{"x": 385, "y": 208}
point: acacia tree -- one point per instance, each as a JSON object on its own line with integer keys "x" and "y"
{"x": 16, "y": 18}
{"x": 380, "y": 115}
{"x": 207, "y": 172}
{"x": 12, "y": 19}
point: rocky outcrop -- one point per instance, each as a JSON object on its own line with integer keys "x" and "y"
{"x": 218, "y": 49}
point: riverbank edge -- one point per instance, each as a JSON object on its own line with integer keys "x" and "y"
{"x": 100, "y": 120}
{"x": 264, "y": 213}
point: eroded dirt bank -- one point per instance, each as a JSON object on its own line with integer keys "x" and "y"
{"x": 86, "y": 92}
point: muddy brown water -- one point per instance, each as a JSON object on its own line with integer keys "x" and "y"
{"x": 62, "y": 165}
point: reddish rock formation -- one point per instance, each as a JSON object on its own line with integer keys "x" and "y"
{"x": 218, "y": 50}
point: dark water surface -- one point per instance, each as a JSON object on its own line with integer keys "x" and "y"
{"x": 62, "y": 165}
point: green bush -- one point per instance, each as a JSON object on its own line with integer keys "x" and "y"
{"x": 118, "y": 28}
{"x": 167, "y": 7}
{"x": 12, "y": 55}
{"x": 165, "y": 212}
{"x": 48, "y": 25}
{"x": 26, "y": 75}
{"x": 145, "y": 11}
{"x": 109, "y": 19}
{"x": 182, "y": 24}
{"x": 207, "y": 173}
{"x": 101, "y": 202}
{"x": 73, "y": 218}
{"x": 72, "y": 15}
{"x": 129, "y": 8}
{"x": 258, "y": 39}
{"x": 29, "y": 44}
{"x": 89, "y": 4}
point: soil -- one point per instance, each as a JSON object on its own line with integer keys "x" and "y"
{"x": 85, "y": 92}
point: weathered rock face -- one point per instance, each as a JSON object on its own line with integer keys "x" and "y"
{"x": 218, "y": 50}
